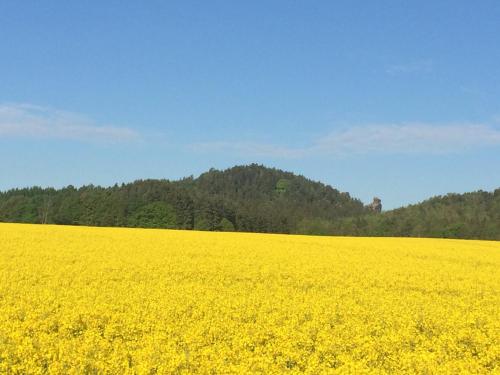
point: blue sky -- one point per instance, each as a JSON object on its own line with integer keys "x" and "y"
{"x": 395, "y": 99}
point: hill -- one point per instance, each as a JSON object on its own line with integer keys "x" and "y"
{"x": 249, "y": 198}
{"x": 474, "y": 215}
{"x": 252, "y": 198}
{"x": 470, "y": 215}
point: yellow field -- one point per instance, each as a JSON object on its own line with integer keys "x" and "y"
{"x": 101, "y": 300}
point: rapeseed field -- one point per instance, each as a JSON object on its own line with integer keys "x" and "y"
{"x": 79, "y": 300}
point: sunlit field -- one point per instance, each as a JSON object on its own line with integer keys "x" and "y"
{"x": 77, "y": 300}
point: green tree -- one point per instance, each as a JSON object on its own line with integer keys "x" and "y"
{"x": 154, "y": 215}
{"x": 226, "y": 225}
{"x": 282, "y": 185}
{"x": 201, "y": 223}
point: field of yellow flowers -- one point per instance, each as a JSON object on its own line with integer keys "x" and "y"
{"x": 76, "y": 300}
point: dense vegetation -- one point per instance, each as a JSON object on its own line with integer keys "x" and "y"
{"x": 254, "y": 199}
{"x": 473, "y": 215}
{"x": 247, "y": 198}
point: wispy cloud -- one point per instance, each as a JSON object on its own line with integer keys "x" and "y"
{"x": 414, "y": 138}
{"x": 409, "y": 138}
{"x": 26, "y": 120}
{"x": 419, "y": 66}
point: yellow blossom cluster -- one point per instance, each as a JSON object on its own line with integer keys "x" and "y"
{"x": 79, "y": 300}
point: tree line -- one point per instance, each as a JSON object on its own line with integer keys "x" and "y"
{"x": 251, "y": 198}
{"x": 474, "y": 215}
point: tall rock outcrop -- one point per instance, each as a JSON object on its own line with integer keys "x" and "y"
{"x": 376, "y": 205}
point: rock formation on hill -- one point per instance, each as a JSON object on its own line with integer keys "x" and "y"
{"x": 376, "y": 205}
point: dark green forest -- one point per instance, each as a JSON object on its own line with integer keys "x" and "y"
{"x": 251, "y": 198}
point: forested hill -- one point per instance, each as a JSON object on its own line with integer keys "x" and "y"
{"x": 244, "y": 198}
{"x": 473, "y": 215}
{"x": 252, "y": 198}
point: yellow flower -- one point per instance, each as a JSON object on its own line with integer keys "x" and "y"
{"x": 79, "y": 300}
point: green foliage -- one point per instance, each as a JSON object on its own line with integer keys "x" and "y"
{"x": 282, "y": 185}
{"x": 473, "y": 215}
{"x": 251, "y": 198}
{"x": 154, "y": 215}
{"x": 226, "y": 226}
{"x": 200, "y": 223}
{"x": 316, "y": 227}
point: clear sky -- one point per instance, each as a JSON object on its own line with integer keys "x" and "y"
{"x": 394, "y": 99}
